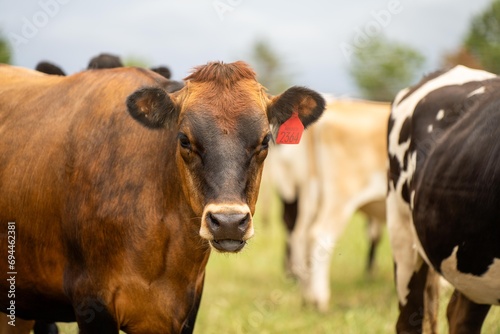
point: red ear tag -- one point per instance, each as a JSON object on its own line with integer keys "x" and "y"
{"x": 290, "y": 132}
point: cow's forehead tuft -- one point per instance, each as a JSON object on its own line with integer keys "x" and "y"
{"x": 222, "y": 74}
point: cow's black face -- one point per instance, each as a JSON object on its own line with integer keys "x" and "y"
{"x": 223, "y": 159}
{"x": 220, "y": 162}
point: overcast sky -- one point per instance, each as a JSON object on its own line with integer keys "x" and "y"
{"x": 313, "y": 38}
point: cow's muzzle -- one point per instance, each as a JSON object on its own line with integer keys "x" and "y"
{"x": 227, "y": 227}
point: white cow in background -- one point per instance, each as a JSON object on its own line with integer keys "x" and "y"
{"x": 338, "y": 168}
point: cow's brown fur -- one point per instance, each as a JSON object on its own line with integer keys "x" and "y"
{"x": 108, "y": 207}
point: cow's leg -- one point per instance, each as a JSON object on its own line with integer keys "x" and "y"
{"x": 92, "y": 300}
{"x": 465, "y": 316}
{"x": 411, "y": 310}
{"x": 410, "y": 269}
{"x": 317, "y": 288}
{"x": 431, "y": 302}
{"x": 90, "y": 307}
{"x": 43, "y": 327}
{"x": 417, "y": 285}
{"x": 188, "y": 327}
{"x": 324, "y": 234}
{"x": 299, "y": 240}
{"x": 375, "y": 228}
{"x": 93, "y": 318}
{"x": 290, "y": 211}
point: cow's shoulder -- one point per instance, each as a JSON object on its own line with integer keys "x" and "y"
{"x": 14, "y": 71}
{"x": 14, "y": 77}
{"x": 422, "y": 114}
{"x": 451, "y": 84}
{"x": 352, "y": 118}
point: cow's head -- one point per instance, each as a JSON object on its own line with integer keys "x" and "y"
{"x": 223, "y": 119}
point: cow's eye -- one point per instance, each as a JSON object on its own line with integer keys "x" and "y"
{"x": 265, "y": 142}
{"x": 184, "y": 141}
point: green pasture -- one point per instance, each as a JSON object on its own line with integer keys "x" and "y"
{"x": 249, "y": 293}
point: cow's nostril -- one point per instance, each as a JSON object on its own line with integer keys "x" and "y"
{"x": 244, "y": 222}
{"x": 231, "y": 223}
{"x": 214, "y": 223}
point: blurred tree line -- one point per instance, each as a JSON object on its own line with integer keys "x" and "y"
{"x": 5, "y": 52}
{"x": 270, "y": 67}
{"x": 382, "y": 67}
{"x": 481, "y": 46}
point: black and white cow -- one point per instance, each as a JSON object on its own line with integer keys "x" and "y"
{"x": 443, "y": 204}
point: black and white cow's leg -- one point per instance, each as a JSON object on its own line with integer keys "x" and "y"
{"x": 465, "y": 316}
{"x": 410, "y": 270}
{"x": 418, "y": 292}
{"x": 431, "y": 301}
{"x": 411, "y": 309}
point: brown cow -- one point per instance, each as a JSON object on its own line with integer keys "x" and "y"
{"x": 119, "y": 188}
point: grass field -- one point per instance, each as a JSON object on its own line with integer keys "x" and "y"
{"x": 249, "y": 293}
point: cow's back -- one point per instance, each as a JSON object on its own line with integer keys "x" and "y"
{"x": 351, "y": 145}
{"x": 58, "y": 166}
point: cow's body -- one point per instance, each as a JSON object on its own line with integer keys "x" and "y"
{"x": 444, "y": 188}
{"x": 338, "y": 168}
{"x": 119, "y": 188}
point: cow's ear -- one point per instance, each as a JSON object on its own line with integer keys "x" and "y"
{"x": 307, "y": 103}
{"x": 152, "y": 107}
